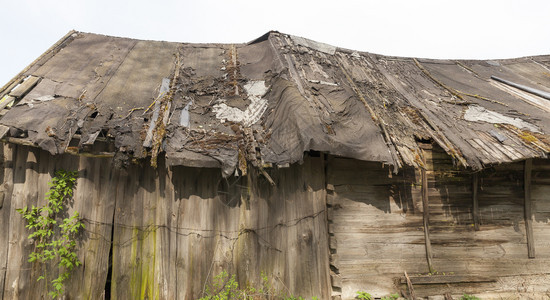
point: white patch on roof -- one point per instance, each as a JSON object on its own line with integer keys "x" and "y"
{"x": 184, "y": 116}
{"x": 532, "y": 99}
{"x": 255, "y": 90}
{"x": 44, "y": 98}
{"x": 476, "y": 113}
{"x": 323, "y": 82}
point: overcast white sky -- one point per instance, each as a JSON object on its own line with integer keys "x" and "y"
{"x": 435, "y": 29}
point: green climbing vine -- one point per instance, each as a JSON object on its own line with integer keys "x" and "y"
{"x": 53, "y": 231}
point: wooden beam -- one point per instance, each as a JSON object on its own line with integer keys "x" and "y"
{"x": 528, "y": 208}
{"x": 426, "y": 218}
{"x": 475, "y": 209}
{"x": 267, "y": 176}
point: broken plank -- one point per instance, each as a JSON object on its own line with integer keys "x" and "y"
{"x": 164, "y": 88}
{"x": 25, "y": 87}
{"x": 6, "y": 101}
{"x": 410, "y": 286}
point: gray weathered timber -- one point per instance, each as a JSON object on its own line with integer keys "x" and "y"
{"x": 18, "y": 282}
{"x": 475, "y": 200}
{"x": 32, "y": 170}
{"x": 241, "y": 226}
{"x": 373, "y": 221}
{"x": 99, "y": 180}
{"x": 442, "y": 279}
{"x": 378, "y": 223}
{"x": 6, "y": 177}
{"x": 174, "y": 229}
{"x": 528, "y": 207}
{"x": 426, "y": 218}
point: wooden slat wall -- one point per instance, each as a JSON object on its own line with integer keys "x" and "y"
{"x": 174, "y": 229}
{"x": 26, "y": 174}
{"x": 377, "y": 226}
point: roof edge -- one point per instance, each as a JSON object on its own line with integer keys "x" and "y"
{"x": 17, "y": 78}
{"x": 262, "y": 38}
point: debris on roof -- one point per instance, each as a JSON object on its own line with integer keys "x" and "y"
{"x": 267, "y": 102}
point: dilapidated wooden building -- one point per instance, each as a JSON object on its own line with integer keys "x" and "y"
{"x": 333, "y": 171}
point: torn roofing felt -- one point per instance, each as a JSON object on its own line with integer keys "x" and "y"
{"x": 269, "y": 101}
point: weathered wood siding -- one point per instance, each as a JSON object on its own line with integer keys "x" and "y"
{"x": 375, "y": 227}
{"x": 376, "y": 224}
{"x": 26, "y": 174}
{"x": 171, "y": 230}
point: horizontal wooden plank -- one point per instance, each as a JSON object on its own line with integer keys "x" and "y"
{"x": 384, "y": 267}
{"x": 439, "y": 279}
{"x": 354, "y": 253}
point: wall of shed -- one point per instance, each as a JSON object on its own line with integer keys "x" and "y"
{"x": 376, "y": 228}
{"x": 171, "y": 230}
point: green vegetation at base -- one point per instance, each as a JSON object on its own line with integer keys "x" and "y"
{"x": 469, "y": 297}
{"x": 366, "y": 296}
{"x": 225, "y": 287}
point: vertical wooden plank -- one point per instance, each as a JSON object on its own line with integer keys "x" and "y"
{"x": 247, "y": 262}
{"x": 324, "y": 259}
{"x": 148, "y": 242}
{"x": 165, "y": 262}
{"x": 426, "y": 219}
{"x": 172, "y": 234}
{"x": 125, "y": 256}
{"x": 177, "y": 181}
{"x": 316, "y": 241}
{"x": 21, "y": 275}
{"x": 94, "y": 200}
{"x": 47, "y": 165}
{"x": 475, "y": 200}
{"x": 6, "y": 194}
{"x": 528, "y": 208}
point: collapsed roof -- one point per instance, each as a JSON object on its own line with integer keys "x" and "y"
{"x": 269, "y": 101}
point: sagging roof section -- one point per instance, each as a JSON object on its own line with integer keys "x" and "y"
{"x": 269, "y": 101}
